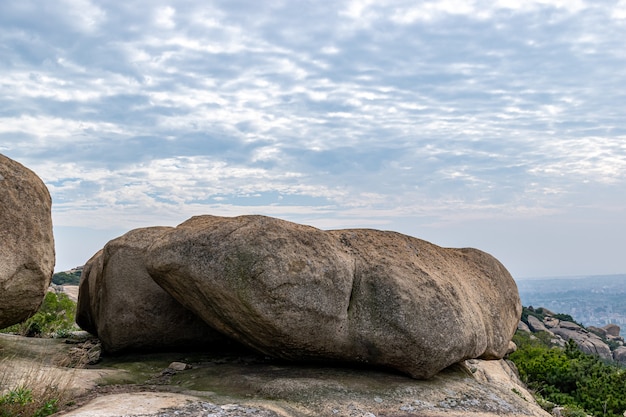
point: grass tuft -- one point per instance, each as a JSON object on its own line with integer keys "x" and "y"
{"x": 31, "y": 382}
{"x": 32, "y": 388}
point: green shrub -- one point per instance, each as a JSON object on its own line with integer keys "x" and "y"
{"x": 34, "y": 391}
{"x": 530, "y": 311}
{"x": 567, "y": 317}
{"x": 612, "y": 344}
{"x": 19, "y": 402}
{"x": 56, "y": 315}
{"x": 569, "y": 377}
{"x": 64, "y": 278}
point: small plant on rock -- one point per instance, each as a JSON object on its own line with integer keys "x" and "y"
{"x": 19, "y": 402}
{"x": 32, "y": 390}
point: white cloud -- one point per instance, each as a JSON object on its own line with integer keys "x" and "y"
{"x": 54, "y": 131}
{"x": 571, "y": 6}
{"x": 619, "y": 11}
{"x": 357, "y": 9}
{"x": 428, "y": 11}
{"x": 164, "y": 17}
{"x": 83, "y": 15}
{"x": 589, "y": 159}
{"x": 367, "y": 113}
{"x": 365, "y": 12}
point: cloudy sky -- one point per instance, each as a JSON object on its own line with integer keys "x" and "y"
{"x": 494, "y": 124}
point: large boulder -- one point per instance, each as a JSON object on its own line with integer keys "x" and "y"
{"x": 26, "y": 242}
{"x": 300, "y": 293}
{"x": 127, "y": 310}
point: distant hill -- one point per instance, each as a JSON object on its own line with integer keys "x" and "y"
{"x": 595, "y": 300}
{"x": 71, "y": 277}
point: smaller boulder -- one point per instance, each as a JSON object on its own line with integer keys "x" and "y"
{"x": 597, "y": 331}
{"x": 569, "y": 325}
{"x": 120, "y": 303}
{"x": 536, "y": 325}
{"x": 512, "y": 348}
{"x": 619, "y": 355}
{"x": 551, "y": 322}
{"x": 523, "y": 327}
{"x": 179, "y": 366}
{"x": 558, "y": 341}
{"x": 612, "y": 329}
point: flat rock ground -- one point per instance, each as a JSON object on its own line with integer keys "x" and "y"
{"x": 244, "y": 384}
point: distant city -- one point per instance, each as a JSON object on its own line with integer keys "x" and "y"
{"x": 595, "y": 300}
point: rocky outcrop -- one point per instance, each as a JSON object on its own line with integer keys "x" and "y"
{"x": 590, "y": 340}
{"x": 587, "y": 342}
{"x": 126, "y": 309}
{"x": 27, "y": 247}
{"x": 296, "y": 292}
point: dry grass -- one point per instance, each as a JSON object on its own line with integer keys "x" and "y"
{"x": 32, "y": 387}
